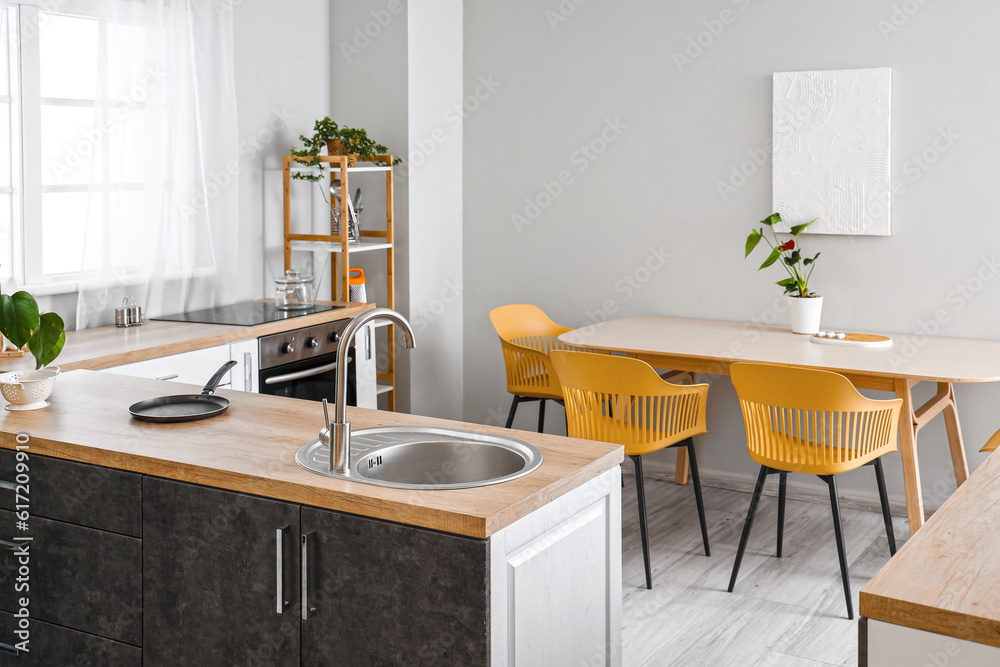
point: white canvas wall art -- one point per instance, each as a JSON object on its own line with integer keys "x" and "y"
{"x": 831, "y": 150}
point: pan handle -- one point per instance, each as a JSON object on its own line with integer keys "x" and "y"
{"x": 213, "y": 384}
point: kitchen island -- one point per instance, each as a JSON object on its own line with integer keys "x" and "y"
{"x": 202, "y": 527}
{"x": 937, "y": 602}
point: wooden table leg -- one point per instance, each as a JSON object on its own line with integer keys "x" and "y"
{"x": 908, "y": 452}
{"x": 681, "y": 472}
{"x": 958, "y": 460}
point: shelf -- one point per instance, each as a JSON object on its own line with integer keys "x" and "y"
{"x": 381, "y": 388}
{"x": 350, "y": 170}
{"x": 330, "y": 246}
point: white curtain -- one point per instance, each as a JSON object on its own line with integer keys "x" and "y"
{"x": 161, "y": 214}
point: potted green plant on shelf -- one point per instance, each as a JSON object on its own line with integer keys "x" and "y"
{"x": 43, "y": 335}
{"x": 805, "y": 306}
{"x": 352, "y": 142}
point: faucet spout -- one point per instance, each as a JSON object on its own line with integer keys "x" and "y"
{"x": 339, "y": 430}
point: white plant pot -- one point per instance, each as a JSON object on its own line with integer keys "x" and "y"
{"x": 806, "y": 312}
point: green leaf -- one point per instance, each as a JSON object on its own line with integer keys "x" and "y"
{"x": 809, "y": 260}
{"x": 796, "y": 229}
{"x": 752, "y": 242}
{"x": 771, "y": 259}
{"x": 786, "y": 282}
{"x": 18, "y": 317}
{"x": 771, "y": 219}
{"x": 48, "y": 340}
{"x": 793, "y": 259}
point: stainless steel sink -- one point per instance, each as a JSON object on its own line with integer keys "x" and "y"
{"x": 413, "y": 457}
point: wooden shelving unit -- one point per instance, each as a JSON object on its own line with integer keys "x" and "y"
{"x": 340, "y": 247}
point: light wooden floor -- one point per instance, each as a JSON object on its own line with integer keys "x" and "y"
{"x": 786, "y": 612}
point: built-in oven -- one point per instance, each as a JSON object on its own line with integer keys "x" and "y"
{"x": 303, "y": 363}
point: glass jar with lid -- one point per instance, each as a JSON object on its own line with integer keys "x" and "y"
{"x": 294, "y": 291}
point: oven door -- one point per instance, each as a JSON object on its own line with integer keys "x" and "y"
{"x": 311, "y": 379}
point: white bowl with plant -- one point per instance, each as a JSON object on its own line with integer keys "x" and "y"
{"x": 41, "y": 334}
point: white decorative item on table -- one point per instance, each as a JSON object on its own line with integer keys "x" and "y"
{"x": 831, "y": 134}
{"x": 805, "y": 313}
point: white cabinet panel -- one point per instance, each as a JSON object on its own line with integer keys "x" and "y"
{"x": 555, "y": 581}
{"x": 366, "y": 365}
{"x": 245, "y": 373}
{"x": 195, "y": 367}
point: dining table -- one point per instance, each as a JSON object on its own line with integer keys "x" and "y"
{"x": 711, "y": 347}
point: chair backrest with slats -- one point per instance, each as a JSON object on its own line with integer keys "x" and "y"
{"x": 623, "y": 401}
{"x": 812, "y": 421}
{"x": 527, "y": 335}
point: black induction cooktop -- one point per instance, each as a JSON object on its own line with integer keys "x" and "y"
{"x": 244, "y": 313}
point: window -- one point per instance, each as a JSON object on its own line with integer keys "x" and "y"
{"x": 73, "y": 184}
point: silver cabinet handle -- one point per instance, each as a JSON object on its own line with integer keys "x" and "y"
{"x": 279, "y": 550}
{"x": 8, "y": 485}
{"x": 307, "y": 609}
{"x": 172, "y": 376}
{"x": 13, "y": 546}
{"x": 298, "y": 375}
{"x": 247, "y": 371}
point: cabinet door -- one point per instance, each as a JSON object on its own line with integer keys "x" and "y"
{"x": 245, "y": 373}
{"x": 79, "y": 578}
{"x": 386, "y": 594}
{"x": 79, "y": 493}
{"x": 194, "y": 367}
{"x": 50, "y": 645}
{"x": 210, "y": 577}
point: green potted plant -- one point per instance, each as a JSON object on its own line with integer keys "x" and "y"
{"x": 352, "y": 142}
{"x": 44, "y": 335}
{"x": 806, "y": 306}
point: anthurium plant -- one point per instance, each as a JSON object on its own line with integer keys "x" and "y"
{"x": 798, "y": 266}
{"x": 22, "y": 324}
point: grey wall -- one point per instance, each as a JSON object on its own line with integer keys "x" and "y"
{"x": 572, "y": 71}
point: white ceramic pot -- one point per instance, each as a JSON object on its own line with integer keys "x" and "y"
{"x": 806, "y": 312}
{"x": 28, "y": 390}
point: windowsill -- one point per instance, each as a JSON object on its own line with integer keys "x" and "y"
{"x": 71, "y": 286}
{"x": 50, "y": 289}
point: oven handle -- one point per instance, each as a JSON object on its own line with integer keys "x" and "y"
{"x": 298, "y": 375}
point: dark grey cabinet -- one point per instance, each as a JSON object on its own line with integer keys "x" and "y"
{"x": 211, "y": 577}
{"x": 378, "y": 593}
{"x": 53, "y": 645}
{"x": 84, "y": 562}
{"x": 387, "y": 594}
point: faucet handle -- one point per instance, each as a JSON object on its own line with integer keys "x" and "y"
{"x": 326, "y": 412}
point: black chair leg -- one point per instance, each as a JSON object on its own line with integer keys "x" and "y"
{"x": 838, "y": 528}
{"x": 696, "y": 482}
{"x": 640, "y": 493}
{"x": 748, "y": 525}
{"x": 541, "y": 415}
{"x": 782, "y": 481}
{"x": 883, "y": 497}
{"x": 513, "y": 410}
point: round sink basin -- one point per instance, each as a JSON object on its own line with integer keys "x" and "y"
{"x": 427, "y": 458}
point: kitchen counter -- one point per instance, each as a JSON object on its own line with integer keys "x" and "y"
{"x": 941, "y": 592}
{"x": 251, "y": 448}
{"x": 104, "y": 347}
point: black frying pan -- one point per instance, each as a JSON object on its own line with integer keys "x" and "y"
{"x": 184, "y": 407}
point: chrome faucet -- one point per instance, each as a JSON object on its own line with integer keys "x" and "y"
{"x": 337, "y": 433}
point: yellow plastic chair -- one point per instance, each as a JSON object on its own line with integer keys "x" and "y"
{"x": 814, "y": 422}
{"x": 992, "y": 444}
{"x": 527, "y": 335}
{"x": 623, "y": 401}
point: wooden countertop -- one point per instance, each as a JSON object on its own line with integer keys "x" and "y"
{"x": 946, "y": 579}
{"x": 103, "y": 347}
{"x": 251, "y": 448}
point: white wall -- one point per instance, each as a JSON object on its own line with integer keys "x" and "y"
{"x": 568, "y": 71}
{"x": 282, "y": 87}
{"x": 434, "y": 171}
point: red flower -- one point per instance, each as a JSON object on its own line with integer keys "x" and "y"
{"x": 788, "y": 245}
